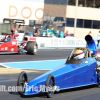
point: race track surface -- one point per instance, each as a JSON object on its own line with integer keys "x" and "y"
{"x": 43, "y": 54}
{"x": 84, "y": 93}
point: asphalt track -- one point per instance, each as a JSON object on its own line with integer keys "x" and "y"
{"x": 43, "y": 54}
{"x": 84, "y": 93}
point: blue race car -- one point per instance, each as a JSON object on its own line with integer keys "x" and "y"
{"x": 80, "y": 69}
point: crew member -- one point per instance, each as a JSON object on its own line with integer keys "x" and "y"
{"x": 98, "y": 39}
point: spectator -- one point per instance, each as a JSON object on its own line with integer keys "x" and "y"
{"x": 89, "y": 33}
{"x": 66, "y": 34}
{"x": 36, "y": 32}
{"x": 56, "y": 33}
{"x": 61, "y": 34}
{"x": 86, "y": 5}
{"x": 52, "y": 29}
{"x": 98, "y": 39}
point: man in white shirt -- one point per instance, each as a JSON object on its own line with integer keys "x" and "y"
{"x": 98, "y": 39}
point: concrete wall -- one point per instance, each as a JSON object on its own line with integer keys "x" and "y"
{"x": 83, "y": 13}
{"x": 55, "y": 10}
{"x": 82, "y": 32}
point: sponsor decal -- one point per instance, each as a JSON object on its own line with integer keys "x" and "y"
{"x": 6, "y": 48}
{"x": 12, "y": 49}
{"x": 2, "y": 48}
{"x": 13, "y": 43}
{"x": 38, "y": 12}
{"x": 91, "y": 59}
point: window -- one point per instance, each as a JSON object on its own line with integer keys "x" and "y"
{"x": 56, "y": 2}
{"x": 87, "y": 23}
{"x": 81, "y": 3}
{"x": 48, "y": 1}
{"x": 89, "y": 3}
{"x": 72, "y": 2}
{"x": 96, "y": 24}
{"x": 97, "y": 4}
{"x": 59, "y": 21}
{"x": 63, "y": 2}
{"x": 70, "y": 22}
{"x": 80, "y": 23}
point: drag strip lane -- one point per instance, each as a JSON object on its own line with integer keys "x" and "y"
{"x": 43, "y": 54}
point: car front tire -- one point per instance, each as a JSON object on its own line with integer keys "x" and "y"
{"x": 22, "y": 80}
{"x": 50, "y": 82}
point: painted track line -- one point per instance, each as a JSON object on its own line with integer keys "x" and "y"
{"x": 36, "y": 65}
{"x": 31, "y": 61}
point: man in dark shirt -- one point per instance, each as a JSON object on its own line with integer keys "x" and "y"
{"x": 36, "y": 32}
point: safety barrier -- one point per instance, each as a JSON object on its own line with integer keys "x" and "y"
{"x": 60, "y": 42}
{"x": 50, "y": 42}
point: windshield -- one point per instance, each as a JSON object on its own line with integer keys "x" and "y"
{"x": 77, "y": 56}
{"x": 7, "y": 38}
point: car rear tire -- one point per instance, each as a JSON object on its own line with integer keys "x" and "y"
{"x": 21, "y": 82}
{"x": 31, "y": 47}
{"x": 50, "y": 82}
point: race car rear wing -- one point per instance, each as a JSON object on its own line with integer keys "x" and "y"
{"x": 22, "y": 34}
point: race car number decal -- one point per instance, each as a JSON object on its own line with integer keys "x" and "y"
{"x": 13, "y": 43}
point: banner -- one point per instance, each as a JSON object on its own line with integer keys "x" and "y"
{"x": 68, "y": 42}
{"x": 60, "y": 42}
{"x": 22, "y": 9}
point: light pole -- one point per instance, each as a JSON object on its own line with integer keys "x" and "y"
{"x": 75, "y": 21}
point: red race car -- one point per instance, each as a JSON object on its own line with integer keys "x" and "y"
{"x": 11, "y": 44}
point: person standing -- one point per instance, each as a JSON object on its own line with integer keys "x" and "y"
{"x": 61, "y": 34}
{"x": 98, "y": 39}
{"x": 66, "y": 34}
{"x": 36, "y": 32}
{"x": 89, "y": 33}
